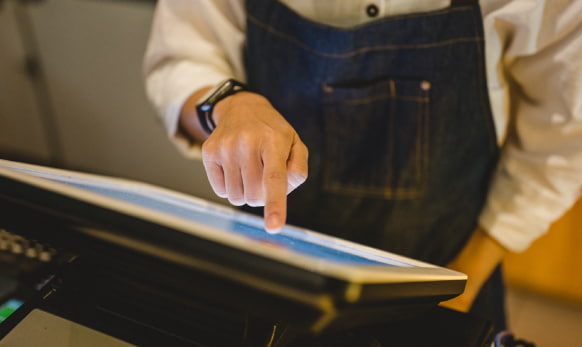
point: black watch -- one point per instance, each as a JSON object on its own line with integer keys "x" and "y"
{"x": 206, "y": 104}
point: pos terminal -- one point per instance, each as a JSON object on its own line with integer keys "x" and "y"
{"x": 146, "y": 265}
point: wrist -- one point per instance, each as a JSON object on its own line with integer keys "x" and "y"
{"x": 188, "y": 123}
{"x": 207, "y": 103}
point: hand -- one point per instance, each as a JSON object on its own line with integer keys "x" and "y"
{"x": 477, "y": 259}
{"x": 254, "y": 156}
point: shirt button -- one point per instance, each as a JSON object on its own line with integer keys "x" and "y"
{"x": 372, "y": 10}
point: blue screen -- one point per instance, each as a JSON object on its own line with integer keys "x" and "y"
{"x": 225, "y": 219}
{"x": 8, "y": 308}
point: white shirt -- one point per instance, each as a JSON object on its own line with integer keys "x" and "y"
{"x": 534, "y": 71}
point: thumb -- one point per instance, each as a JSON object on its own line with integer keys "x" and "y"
{"x": 297, "y": 165}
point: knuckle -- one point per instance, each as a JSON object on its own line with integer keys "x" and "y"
{"x": 277, "y": 136}
{"x": 305, "y": 149}
{"x": 227, "y": 146}
{"x": 242, "y": 146}
{"x": 270, "y": 134}
{"x": 275, "y": 176}
{"x": 210, "y": 151}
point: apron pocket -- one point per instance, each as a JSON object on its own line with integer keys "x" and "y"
{"x": 376, "y": 138}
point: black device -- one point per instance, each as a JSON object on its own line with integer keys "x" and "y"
{"x": 153, "y": 257}
{"x": 205, "y": 105}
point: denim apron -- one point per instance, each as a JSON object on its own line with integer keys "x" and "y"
{"x": 396, "y": 117}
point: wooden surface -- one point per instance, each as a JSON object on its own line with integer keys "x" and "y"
{"x": 553, "y": 264}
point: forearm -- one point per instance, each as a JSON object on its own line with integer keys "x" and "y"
{"x": 189, "y": 123}
{"x": 183, "y": 57}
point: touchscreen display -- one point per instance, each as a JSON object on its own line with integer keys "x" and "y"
{"x": 297, "y": 240}
{"x": 9, "y": 307}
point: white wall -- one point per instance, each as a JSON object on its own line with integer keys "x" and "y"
{"x": 21, "y": 131}
{"x": 91, "y": 52}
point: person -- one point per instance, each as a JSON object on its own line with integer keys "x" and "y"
{"x": 448, "y": 131}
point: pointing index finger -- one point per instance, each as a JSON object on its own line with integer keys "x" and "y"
{"x": 275, "y": 187}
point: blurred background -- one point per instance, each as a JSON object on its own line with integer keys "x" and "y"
{"x": 72, "y": 92}
{"x": 72, "y": 96}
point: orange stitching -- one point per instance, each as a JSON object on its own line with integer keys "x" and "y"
{"x": 360, "y": 101}
{"x": 425, "y": 149}
{"x": 361, "y": 50}
{"x": 421, "y": 154}
{"x": 419, "y": 131}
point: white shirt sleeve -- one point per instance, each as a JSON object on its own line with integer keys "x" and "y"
{"x": 186, "y": 52}
{"x": 540, "y": 75}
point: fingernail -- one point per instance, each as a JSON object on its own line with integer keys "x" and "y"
{"x": 272, "y": 224}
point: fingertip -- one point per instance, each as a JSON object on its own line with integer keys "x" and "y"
{"x": 273, "y": 223}
{"x": 273, "y": 231}
{"x": 236, "y": 202}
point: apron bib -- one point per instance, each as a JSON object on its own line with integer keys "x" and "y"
{"x": 395, "y": 114}
{"x": 396, "y": 117}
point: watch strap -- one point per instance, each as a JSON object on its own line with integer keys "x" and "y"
{"x": 207, "y": 103}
